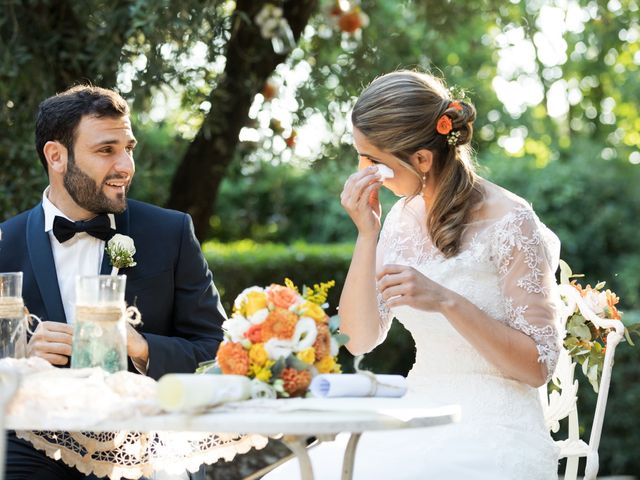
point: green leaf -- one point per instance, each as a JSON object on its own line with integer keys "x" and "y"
{"x": 334, "y": 323}
{"x": 565, "y": 272}
{"x": 277, "y": 367}
{"x": 294, "y": 362}
{"x": 341, "y": 338}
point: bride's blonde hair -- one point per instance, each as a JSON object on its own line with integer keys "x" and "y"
{"x": 398, "y": 113}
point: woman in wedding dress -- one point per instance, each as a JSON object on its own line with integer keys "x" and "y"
{"x": 468, "y": 269}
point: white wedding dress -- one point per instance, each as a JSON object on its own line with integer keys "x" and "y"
{"x": 506, "y": 268}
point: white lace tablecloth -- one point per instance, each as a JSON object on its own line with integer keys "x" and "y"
{"x": 82, "y": 398}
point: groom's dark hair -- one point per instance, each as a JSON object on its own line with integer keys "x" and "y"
{"x": 59, "y": 116}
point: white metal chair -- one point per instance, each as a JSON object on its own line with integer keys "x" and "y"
{"x": 560, "y": 405}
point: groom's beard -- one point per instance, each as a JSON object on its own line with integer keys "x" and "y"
{"x": 88, "y": 194}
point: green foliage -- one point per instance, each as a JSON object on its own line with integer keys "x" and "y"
{"x": 282, "y": 203}
{"x": 591, "y": 204}
{"x": 238, "y": 265}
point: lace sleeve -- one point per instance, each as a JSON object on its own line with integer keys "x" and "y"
{"x": 526, "y": 255}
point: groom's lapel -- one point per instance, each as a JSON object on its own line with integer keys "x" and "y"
{"x": 122, "y": 227}
{"x": 44, "y": 268}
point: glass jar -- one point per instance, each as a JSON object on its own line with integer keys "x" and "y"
{"x": 13, "y": 321}
{"x": 99, "y": 330}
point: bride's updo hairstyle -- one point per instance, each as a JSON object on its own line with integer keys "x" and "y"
{"x": 403, "y": 112}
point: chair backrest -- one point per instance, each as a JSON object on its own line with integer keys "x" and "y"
{"x": 561, "y": 402}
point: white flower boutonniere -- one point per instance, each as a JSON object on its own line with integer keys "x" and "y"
{"x": 121, "y": 251}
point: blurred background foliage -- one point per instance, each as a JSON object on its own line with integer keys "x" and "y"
{"x": 555, "y": 84}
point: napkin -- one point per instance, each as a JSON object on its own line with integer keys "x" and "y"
{"x": 179, "y": 392}
{"x": 358, "y": 385}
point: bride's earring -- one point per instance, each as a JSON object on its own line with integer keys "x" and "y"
{"x": 424, "y": 180}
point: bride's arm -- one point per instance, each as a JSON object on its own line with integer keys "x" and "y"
{"x": 359, "y": 315}
{"x": 358, "y": 309}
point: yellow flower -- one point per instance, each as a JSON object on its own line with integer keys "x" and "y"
{"x": 261, "y": 372}
{"x": 258, "y": 355}
{"x": 255, "y": 301}
{"x": 313, "y": 310}
{"x": 307, "y": 356}
{"x": 328, "y": 365}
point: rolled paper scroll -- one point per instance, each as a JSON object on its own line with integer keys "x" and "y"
{"x": 180, "y": 392}
{"x": 358, "y": 385}
{"x": 385, "y": 172}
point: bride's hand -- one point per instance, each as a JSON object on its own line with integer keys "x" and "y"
{"x": 360, "y": 199}
{"x": 402, "y": 285}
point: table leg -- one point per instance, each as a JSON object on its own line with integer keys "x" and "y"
{"x": 350, "y": 456}
{"x": 8, "y": 386}
{"x": 298, "y": 445}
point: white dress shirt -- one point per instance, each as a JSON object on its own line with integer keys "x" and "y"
{"x": 80, "y": 255}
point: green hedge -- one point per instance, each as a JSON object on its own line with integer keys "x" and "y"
{"x": 239, "y": 265}
{"x": 243, "y": 264}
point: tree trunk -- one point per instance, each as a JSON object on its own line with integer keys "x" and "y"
{"x": 250, "y": 61}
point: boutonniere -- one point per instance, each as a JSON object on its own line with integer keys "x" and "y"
{"x": 121, "y": 251}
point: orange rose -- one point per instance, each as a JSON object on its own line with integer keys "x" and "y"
{"x": 455, "y": 105}
{"x": 282, "y": 297}
{"x": 233, "y": 359}
{"x": 444, "y": 125}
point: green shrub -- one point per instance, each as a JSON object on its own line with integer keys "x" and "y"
{"x": 242, "y": 264}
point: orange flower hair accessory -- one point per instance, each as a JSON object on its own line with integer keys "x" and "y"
{"x": 444, "y": 125}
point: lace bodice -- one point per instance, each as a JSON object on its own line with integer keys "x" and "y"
{"x": 505, "y": 267}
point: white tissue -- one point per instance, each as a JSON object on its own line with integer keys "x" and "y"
{"x": 385, "y": 172}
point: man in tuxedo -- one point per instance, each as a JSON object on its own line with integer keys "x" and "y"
{"x": 85, "y": 144}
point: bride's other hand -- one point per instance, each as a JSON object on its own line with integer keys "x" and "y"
{"x": 402, "y": 285}
{"x": 360, "y": 199}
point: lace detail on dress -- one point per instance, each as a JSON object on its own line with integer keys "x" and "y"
{"x": 509, "y": 235}
{"x": 546, "y": 338}
{"x": 383, "y": 308}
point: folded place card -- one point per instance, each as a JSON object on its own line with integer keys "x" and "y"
{"x": 358, "y": 385}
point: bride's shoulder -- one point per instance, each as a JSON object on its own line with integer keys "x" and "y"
{"x": 499, "y": 204}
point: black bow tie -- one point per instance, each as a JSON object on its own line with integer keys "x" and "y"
{"x": 99, "y": 227}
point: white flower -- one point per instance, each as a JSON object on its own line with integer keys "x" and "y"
{"x": 242, "y": 298}
{"x": 334, "y": 346}
{"x": 305, "y": 334}
{"x": 260, "y": 389}
{"x": 121, "y": 250}
{"x": 259, "y": 317}
{"x": 277, "y": 347}
{"x": 235, "y": 327}
{"x": 596, "y": 301}
{"x": 269, "y": 19}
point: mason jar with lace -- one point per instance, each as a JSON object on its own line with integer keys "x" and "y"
{"x": 100, "y": 330}
{"x": 13, "y": 316}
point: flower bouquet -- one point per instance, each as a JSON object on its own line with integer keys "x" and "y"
{"x": 279, "y": 338}
{"x": 591, "y": 314}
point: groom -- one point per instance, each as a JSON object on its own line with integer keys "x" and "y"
{"x": 85, "y": 144}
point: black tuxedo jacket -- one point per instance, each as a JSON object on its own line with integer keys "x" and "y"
{"x": 171, "y": 284}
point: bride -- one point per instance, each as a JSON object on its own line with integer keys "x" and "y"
{"x": 468, "y": 269}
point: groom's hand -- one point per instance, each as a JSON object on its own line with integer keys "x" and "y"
{"x": 51, "y": 341}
